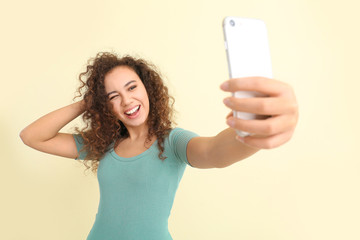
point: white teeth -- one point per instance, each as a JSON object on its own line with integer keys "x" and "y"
{"x": 133, "y": 110}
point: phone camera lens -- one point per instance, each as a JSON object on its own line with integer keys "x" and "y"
{"x": 232, "y": 23}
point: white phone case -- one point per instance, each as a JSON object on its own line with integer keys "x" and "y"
{"x": 248, "y": 54}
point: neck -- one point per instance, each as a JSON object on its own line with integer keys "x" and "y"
{"x": 138, "y": 133}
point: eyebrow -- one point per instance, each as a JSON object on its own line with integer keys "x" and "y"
{"x": 127, "y": 84}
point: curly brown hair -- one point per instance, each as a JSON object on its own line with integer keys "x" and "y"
{"x": 102, "y": 127}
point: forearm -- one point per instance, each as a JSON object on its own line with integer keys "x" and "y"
{"x": 49, "y": 125}
{"x": 225, "y": 150}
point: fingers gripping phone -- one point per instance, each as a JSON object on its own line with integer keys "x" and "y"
{"x": 248, "y": 55}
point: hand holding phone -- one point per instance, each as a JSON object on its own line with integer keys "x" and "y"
{"x": 248, "y": 55}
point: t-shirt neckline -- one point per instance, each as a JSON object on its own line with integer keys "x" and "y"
{"x": 130, "y": 159}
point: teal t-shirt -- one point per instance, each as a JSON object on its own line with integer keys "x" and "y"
{"x": 137, "y": 193}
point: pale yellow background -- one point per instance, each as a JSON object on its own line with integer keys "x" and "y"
{"x": 307, "y": 189}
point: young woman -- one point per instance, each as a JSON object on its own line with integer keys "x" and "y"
{"x": 138, "y": 155}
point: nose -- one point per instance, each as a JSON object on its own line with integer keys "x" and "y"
{"x": 126, "y": 100}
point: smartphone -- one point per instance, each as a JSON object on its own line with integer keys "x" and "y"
{"x": 248, "y": 54}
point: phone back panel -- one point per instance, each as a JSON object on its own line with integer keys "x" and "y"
{"x": 248, "y": 51}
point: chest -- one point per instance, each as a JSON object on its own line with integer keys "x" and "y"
{"x": 145, "y": 174}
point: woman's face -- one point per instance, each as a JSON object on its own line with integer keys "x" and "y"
{"x": 128, "y": 96}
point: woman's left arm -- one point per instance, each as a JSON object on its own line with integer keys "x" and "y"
{"x": 226, "y": 147}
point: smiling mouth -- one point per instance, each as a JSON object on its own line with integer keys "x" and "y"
{"x": 133, "y": 111}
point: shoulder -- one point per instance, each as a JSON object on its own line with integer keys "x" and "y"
{"x": 177, "y": 141}
{"x": 179, "y": 136}
{"x": 177, "y": 133}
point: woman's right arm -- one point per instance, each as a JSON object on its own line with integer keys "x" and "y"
{"x": 43, "y": 134}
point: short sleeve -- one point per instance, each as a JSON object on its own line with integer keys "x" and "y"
{"x": 179, "y": 138}
{"x": 79, "y": 145}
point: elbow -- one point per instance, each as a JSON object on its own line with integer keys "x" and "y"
{"x": 24, "y": 137}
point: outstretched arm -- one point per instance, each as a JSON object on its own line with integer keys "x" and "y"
{"x": 226, "y": 147}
